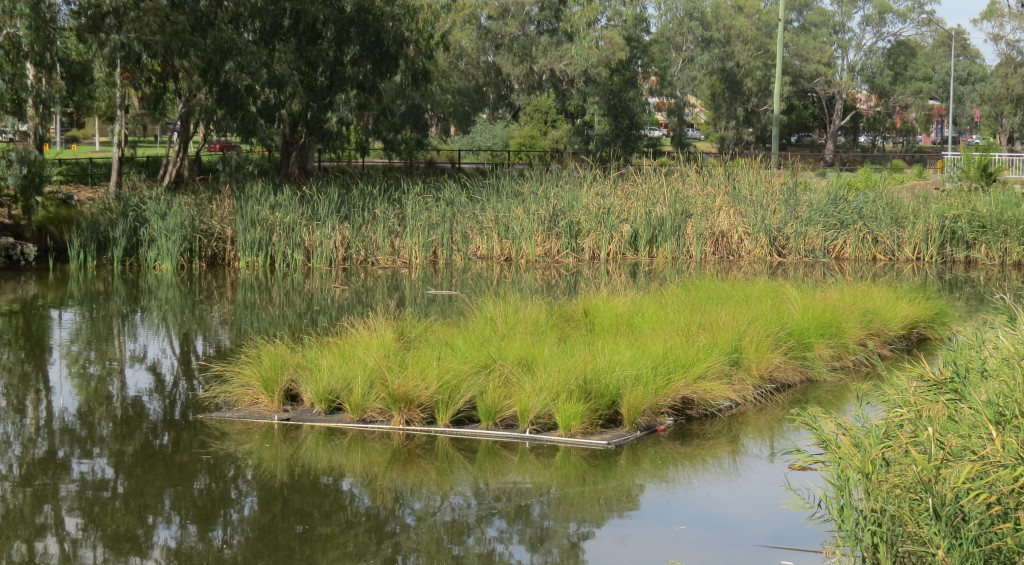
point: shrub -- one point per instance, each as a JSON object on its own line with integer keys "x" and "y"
{"x": 23, "y": 177}
{"x": 240, "y": 167}
{"x": 898, "y": 165}
{"x": 976, "y": 170}
{"x": 485, "y": 135}
{"x": 541, "y": 128}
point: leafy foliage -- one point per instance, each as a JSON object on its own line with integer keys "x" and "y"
{"x": 931, "y": 471}
{"x": 24, "y": 174}
{"x": 977, "y": 170}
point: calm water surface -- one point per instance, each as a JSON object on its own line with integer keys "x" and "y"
{"x": 101, "y": 460}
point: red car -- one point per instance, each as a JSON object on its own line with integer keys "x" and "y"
{"x": 222, "y": 146}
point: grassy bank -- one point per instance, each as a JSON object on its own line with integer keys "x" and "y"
{"x": 933, "y": 471}
{"x": 603, "y": 360}
{"x": 731, "y": 211}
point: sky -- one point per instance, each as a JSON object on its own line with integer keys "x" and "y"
{"x": 961, "y": 12}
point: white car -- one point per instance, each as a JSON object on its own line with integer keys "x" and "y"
{"x": 692, "y": 133}
{"x": 653, "y": 132}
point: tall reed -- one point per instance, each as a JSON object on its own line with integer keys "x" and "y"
{"x": 718, "y": 211}
{"x": 604, "y": 360}
{"x": 931, "y": 471}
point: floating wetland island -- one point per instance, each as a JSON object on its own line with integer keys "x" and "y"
{"x": 597, "y": 370}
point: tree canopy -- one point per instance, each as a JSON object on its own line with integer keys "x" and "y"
{"x": 579, "y": 75}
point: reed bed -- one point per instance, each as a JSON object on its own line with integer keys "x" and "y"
{"x": 603, "y": 360}
{"x": 932, "y": 470}
{"x": 734, "y": 210}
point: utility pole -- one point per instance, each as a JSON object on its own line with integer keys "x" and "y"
{"x": 777, "y": 100}
{"x": 952, "y": 58}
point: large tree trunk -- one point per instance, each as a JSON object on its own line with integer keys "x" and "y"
{"x": 297, "y": 155}
{"x": 298, "y": 161}
{"x": 34, "y": 110}
{"x": 175, "y": 169}
{"x": 117, "y": 137}
{"x": 832, "y": 135}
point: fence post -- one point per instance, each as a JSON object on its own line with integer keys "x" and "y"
{"x": 90, "y": 170}
{"x": 510, "y": 158}
{"x": 460, "y": 157}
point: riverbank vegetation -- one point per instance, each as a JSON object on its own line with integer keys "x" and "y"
{"x": 715, "y": 211}
{"x": 603, "y": 360}
{"x": 931, "y": 471}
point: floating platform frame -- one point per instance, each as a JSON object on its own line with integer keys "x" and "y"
{"x": 607, "y": 439}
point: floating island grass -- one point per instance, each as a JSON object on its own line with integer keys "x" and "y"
{"x": 598, "y": 370}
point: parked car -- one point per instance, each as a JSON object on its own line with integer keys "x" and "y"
{"x": 692, "y": 133}
{"x": 802, "y": 139}
{"x": 974, "y": 140}
{"x": 222, "y": 146}
{"x": 653, "y": 132}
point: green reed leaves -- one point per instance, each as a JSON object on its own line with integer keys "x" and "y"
{"x": 719, "y": 211}
{"x": 932, "y": 470}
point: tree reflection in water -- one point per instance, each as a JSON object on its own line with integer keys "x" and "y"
{"x": 100, "y": 460}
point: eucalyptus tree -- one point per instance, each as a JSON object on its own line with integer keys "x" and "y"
{"x": 737, "y": 84}
{"x": 1003, "y": 95}
{"x": 120, "y": 34}
{"x": 586, "y": 56}
{"x": 299, "y": 75}
{"x": 1002, "y": 99}
{"x": 853, "y": 32}
{"x": 679, "y": 52}
{"x": 30, "y": 31}
{"x": 903, "y": 76}
{"x": 723, "y": 54}
{"x": 900, "y": 84}
{"x": 1003, "y": 26}
{"x": 188, "y": 70}
{"x": 971, "y": 72}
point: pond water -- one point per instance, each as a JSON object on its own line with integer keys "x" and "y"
{"x": 102, "y": 461}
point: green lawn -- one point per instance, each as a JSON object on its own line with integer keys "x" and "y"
{"x": 136, "y": 146}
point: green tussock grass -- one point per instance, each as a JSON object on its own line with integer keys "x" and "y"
{"x": 734, "y": 210}
{"x": 932, "y": 470}
{"x": 603, "y": 360}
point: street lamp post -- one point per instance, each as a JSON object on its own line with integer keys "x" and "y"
{"x": 952, "y": 59}
{"x": 776, "y": 101}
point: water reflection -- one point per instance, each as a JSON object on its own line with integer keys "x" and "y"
{"x": 490, "y": 502}
{"x": 101, "y": 462}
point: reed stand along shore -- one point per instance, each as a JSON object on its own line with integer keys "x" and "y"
{"x": 571, "y": 367}
{"x": 931, "y": 470}
{"x": 717, "y": 211}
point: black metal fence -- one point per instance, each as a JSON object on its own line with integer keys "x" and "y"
{"x": 96, "y": 170}
{"x": 458, "y": 158}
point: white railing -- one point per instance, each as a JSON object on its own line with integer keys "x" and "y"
{"x": 1012, "y": 163}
